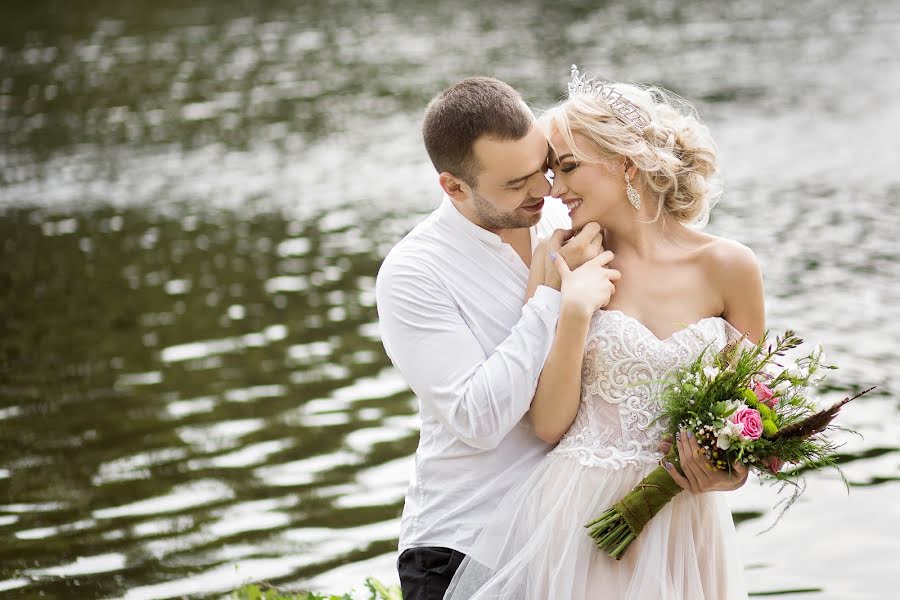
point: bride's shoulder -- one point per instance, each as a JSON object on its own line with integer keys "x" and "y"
{"x": 733, "y": 272}
{"x": 729, "y": 262}
{"x": 721, "y": 252}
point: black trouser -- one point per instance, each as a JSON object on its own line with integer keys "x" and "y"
{"x": 426, "y": 572}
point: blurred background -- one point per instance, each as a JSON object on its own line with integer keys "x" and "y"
{"x": 195, "y": 198}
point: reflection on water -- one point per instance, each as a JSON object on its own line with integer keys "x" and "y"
{"x": 195, "y": 201}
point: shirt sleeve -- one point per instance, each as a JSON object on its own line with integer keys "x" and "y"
{"x": 478, "y": 397}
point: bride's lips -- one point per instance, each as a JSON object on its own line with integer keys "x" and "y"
{"x": 572, "y": 204}
{"x": 534, "y": 207}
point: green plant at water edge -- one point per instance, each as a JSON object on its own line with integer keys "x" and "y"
{"x": 252, "y": 591}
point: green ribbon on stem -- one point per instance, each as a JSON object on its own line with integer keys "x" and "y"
{"x": 619, "y": 526}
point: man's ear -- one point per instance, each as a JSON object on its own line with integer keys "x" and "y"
{"x": 454, "y": 187}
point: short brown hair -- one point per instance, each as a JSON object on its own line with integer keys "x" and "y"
{"x": 467, "y": 110}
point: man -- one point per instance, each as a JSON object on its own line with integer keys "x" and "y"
{"x": 450, "y": 302}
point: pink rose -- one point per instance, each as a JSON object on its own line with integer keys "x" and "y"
{"x": 764, "y": 394}
{"x": 774, "y": 464}
{"x": 752, "y": 422}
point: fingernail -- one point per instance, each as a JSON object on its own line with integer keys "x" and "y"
{"x": 690, "y": 434}
{"x": 668, "y": 465}
{"x": 553, "y": 255}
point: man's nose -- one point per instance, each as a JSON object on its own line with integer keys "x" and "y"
{"x": 542, "y": 189}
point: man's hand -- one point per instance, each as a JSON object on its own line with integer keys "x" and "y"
{"x": 699, "y": 475}
{"x": 575, "y": 249}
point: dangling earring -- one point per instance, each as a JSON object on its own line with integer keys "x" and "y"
{"x": 633, "y": 196}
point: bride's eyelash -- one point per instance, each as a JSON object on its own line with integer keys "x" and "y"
{"x": 569, "y": 167}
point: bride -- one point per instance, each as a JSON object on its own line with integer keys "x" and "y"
{"x": 638, "y": 161}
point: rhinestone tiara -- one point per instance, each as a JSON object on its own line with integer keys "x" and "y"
{"x": 622, "y": 108}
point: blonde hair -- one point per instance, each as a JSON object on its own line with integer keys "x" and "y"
{"x": 675, "y": 156}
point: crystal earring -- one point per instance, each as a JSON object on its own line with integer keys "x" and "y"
{"x": 633, "y": 196}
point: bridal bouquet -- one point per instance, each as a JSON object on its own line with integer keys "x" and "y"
{"x": 742, "y": 405}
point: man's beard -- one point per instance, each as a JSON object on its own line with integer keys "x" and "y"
{"x": 491, "y": 217}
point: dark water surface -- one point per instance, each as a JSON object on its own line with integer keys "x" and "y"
{"x": 195, "y": 197}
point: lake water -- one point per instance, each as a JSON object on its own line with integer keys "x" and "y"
{"x": 195, "y": 198}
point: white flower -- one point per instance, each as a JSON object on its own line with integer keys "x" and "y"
{"x": 772, "y": 369}
{"x": 819, "y": 353}
{"x": 727, "y": 433}
{"x": 735, "y": 405}
{"x": 782, "y": 386}
{"x": 731, "y": 429}
{"x": 710, "y": 372}
{"x": 795, "y": 371}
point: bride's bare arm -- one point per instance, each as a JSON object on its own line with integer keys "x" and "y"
{"x": 558, "y": 393}
{"x": 741, "y": 284}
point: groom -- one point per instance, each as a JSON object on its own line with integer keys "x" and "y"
{"x": 450, "y": 303}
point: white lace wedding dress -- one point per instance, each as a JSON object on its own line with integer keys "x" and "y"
{"x": 535, "y": 545}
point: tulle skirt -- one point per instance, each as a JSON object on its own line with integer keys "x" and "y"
{"x": 535, "y": 545}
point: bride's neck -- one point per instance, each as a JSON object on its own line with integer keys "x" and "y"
{"x": 641, "y": 240}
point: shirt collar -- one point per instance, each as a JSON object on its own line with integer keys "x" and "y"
{"x": 459, "y": 221}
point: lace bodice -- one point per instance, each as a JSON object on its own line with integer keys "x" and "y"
{"x": 621, "y": 381}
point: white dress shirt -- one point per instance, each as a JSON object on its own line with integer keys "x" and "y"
{"x": 450, "y": 304}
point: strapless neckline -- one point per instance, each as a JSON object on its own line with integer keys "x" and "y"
{"x": 653, "y": 335}
{"x": 625, "y": 370}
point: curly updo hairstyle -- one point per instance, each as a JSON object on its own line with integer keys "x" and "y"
{"x": 675, "y": 156}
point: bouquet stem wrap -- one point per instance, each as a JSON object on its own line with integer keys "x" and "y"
{"x": 619, "y": 526}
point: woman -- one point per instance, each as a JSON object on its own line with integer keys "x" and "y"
{"x": 641, "y": 164}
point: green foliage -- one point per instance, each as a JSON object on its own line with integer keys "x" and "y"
{"x": 702, "y": 397}
{"x": 378, "y": 591}
{"x": 701, "y": 403}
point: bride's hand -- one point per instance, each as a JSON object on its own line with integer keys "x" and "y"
{"x": 699, "y": 475}
{"x": 576, "y": 248}
{"x": 588, "y": 287}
